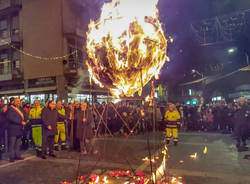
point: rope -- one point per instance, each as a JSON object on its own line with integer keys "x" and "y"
{"x": 55, "y": 58}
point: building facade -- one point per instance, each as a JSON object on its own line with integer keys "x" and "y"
{"x": 38, "y": 44}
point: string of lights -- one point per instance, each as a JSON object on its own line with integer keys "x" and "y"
{"x": 55, "y": 58}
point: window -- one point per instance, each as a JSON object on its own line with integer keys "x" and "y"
{"x": 4, "y": 4}
{"x": 4, "y": 32}
{"x": 190, "y": 92}
{"x": 15, "y": 22}
{"x": 16, "y": 55}
{"x": 5, "y": 67}
{"x": 72, "y": 59}
{"x": 79, "y": 97}
{"x": 3, "y": 24}
{"x": 75, "y": 46}
{"x": 218, "y": 98}
{"x": 17, "y": 64}
{"x": 3, "y": 56}
{"x": 40, "y": 97}
{"x": 156, "y": 95}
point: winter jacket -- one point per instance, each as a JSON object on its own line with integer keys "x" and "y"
{"x": 172, "y": 118}
{"x": 15, "y": 117}
{"x": 49, "y": 117}
{"x": 35, "y": 115}
{"x": 84, "y": 129}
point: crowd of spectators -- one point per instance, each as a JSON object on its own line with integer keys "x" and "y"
{"x": 132, "y": 118}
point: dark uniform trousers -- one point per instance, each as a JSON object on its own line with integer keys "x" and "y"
{"x": 14, "y": 146}
{"x": 48, "y": 140}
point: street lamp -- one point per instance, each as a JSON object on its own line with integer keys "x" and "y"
{"x": 197, "y": 72}
{"x": 231, "y": 50}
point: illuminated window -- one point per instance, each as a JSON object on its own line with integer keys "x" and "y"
{"x": 156, "y": 95}
{"x": 214, "y": 99}
{"x": 190, "y": 92}
{"x": 218, "y": 98}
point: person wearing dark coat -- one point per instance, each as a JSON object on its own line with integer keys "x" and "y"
{"x": 17, "y": 122}
{"x": 74, "y": 142}
{"x": 3, "y": 127}
{"x": 241, "y": 124}
{"x": 85, "y": 124}
{"x": 49, "y": 117}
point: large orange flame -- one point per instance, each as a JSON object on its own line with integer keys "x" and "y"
{"x": 126, "y": 46}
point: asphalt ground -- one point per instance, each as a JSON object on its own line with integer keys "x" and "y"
{"x": 222, "y": 164}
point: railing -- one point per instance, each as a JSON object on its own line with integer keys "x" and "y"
{"x": 5, "y": 67}
{"x": 5, "y": 70}
{"x": 5, "y": 4}
{"x": 17, "y": 36}
{"x": 8, "y": 3}
{"x": 4, "y": 41}
{"x": 16, "y": 2}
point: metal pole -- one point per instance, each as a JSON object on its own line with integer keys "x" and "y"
{"x": 153, "y": 105}
{"x": 247, "y": 59}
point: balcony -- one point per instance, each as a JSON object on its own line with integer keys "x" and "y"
{"x": 16, "y": 3}
{"x": 5, "y": 70}
{"x": 5, "y": 4}
{"x": 5, "y": 41}
{"x": 75, "y": 30}
{"x": 16, "y": 36}
{"x": 9, "y": 6}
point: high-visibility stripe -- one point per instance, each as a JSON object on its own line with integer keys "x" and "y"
{"x": 171, "y": 126}
{"x": 60, "y": 122}
{"x": 36, "y": 125}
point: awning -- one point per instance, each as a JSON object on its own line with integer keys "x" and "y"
{"x": 245, "y": 68}
{"x": 11, "y": 92}
{"x": 30, "y": 90}
{"x": 81, "y": 90}
{"x": 42, "y": 89}
{"x": 194, "y": 82}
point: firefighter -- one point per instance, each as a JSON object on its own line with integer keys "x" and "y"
{"x": 36, "y": 126}
{"x": 172, "y": 118}
{"x": 61, "y": 130}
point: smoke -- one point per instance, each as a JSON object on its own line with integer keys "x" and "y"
{"x": 83, "y": 79}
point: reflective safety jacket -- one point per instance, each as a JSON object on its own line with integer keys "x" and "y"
{"x": 61, "y": 115}
{"x": 172, "y": 118}
{"x": 35, "y": 115}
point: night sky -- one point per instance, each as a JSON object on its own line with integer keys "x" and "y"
{"x": 185, "y": 53}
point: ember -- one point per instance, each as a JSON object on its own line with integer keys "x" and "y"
{"x": 205, "y": 151}
{"x": 194, "y": 156}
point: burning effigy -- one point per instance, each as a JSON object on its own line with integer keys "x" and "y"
{"x": 126, "y": 46}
